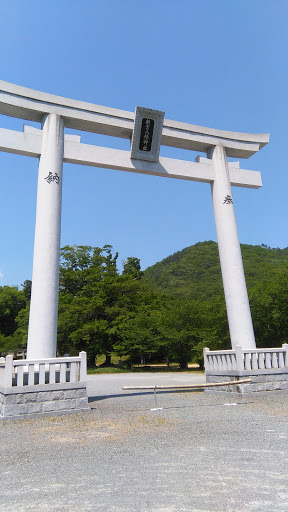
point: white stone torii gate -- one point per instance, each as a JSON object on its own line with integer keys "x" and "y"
{"x": 54, "y": 148}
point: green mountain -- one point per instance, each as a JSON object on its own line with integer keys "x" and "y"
{"x": 195, "y": 271}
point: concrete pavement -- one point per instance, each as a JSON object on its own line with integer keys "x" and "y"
{"x": 194, "y": 455}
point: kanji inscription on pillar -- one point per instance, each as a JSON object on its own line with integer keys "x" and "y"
{"x": 228, "y": 200}
{"x": 52, "y": 178}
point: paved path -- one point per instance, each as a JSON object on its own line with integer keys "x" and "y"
{"x": 194, "y": 455}
{"x": 112, "y": 384}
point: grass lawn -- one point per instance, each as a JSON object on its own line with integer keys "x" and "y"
{"x": 173, "y": 367}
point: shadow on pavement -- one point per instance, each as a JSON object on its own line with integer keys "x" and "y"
{"x": 150, "y": 392}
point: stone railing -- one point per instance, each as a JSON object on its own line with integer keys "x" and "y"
{"x": 34, "y": 372}
{"x": 239, "y": 360}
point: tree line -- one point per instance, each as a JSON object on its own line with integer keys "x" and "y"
{"x": 105, "y": 311}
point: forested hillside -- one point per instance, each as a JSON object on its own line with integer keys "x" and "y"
{"x": 195, "y": 271}
{"x": 169, "y": 312}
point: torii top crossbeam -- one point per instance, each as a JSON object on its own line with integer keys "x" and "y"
{"x": 55, "y": 113}
{"x": 24, "y": 103}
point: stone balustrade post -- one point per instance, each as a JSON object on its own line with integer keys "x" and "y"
{"x": 83, "y": 366}
{"x": 205, "y": 352}
{"x": 239, "y": 358}
{"x": 285, "y": 347}
{"x": 8, "y": 372}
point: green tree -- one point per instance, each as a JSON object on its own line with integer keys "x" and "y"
{"x": 269, "y": 308}
{"x": 213, "y": 330}
{"x": 26, "y": 287}
{"x": 141, "y": 336}
{"x": 94, "y": 299}
{"x": 132, "y": 268}
{"x": 12, "y": 301}
{"x": 182, "y": 329}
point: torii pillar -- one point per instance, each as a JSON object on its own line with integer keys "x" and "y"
{"x": 42, "y": 332}
{"x": 234, "y": 283}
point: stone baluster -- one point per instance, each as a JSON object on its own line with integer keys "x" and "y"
{"x": 275, "y": 363}
{"x": 255, "y": 361}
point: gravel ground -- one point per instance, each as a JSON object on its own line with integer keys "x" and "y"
{"x": 195, "y": 454}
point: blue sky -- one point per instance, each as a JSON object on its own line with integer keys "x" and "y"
{"x": 216, "y": 63}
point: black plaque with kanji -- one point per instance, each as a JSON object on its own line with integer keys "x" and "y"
{"x": 146, "y": 134}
